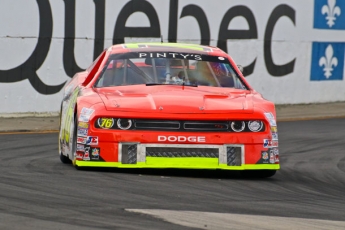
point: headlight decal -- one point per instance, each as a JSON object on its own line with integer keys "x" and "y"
{"x": 255, "y": 126}
{"x": 105, "y": 123}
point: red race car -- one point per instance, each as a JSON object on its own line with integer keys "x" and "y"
{"x": 167, "y": 105}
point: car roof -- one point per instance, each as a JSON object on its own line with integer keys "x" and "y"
{"x": 167, "y": 47}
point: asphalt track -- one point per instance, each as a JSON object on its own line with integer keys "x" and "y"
{"x": 39, "y": 192}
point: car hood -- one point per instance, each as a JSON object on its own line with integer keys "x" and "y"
{"x": 176, "y": 99}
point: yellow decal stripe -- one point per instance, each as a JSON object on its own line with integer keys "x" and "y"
{"x": 69, "y": 116}
{"x": 184, "y": 163}
{"x": 187, "y": 46}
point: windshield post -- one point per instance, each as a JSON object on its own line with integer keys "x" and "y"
{"x": 125, "y": 71}
{"x": 213, "y": 74}
{"x": 185, "y": 72}
{"x": 167, "y": 69}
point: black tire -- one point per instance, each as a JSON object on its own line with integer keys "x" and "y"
{"x": 65, "y": 159}
{"x": 258, "y": 173}
{"x": 267, "y": 173}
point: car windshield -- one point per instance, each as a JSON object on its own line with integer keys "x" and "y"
{"x": 160, "y": 68}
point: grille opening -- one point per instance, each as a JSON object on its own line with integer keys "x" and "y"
{"x": 216, "y": 126}
{"x": 129, "y": 154}
{"x": 233, "y": 155}
{"x": 181, "y": 152}
{"x": 147, "y": 124}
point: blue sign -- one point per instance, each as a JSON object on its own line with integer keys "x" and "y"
{"x": 327, "y": 61}
{"x": 329, "y": 14}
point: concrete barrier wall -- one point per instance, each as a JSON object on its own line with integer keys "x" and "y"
{"x": 292, "y": 50}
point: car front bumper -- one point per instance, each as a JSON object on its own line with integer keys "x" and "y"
{"x": 184, "y": 156}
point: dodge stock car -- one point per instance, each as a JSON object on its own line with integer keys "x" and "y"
{"x": 167, "y": 105}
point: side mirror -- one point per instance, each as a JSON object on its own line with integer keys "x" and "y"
{"x": 240, "y": 68}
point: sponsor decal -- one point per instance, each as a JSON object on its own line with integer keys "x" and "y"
{"x": 276, "y": 151}
{"x": 329, "y": 14}
{"x": 105, "y": 123}
{"x": 271, "y": 119}
{"x": 182, "y": 138}
{"x": 272, "y": 157}
{"x": 264, "y": 158}
{"x": 81, "y": 140}
{"x": 85, "y": 114}
{"x": 171, "y": 55}
{"x": 274, "y": 129}
{"x": 80, "y": 147}
{"x": 95, "y": 153}
{"x": 274, "y": 143}
{"x": 327, "y": 61}
{"x": 82, "y": 124}
{"x": 91, "y": 140}
{"x": 276, "y": 154}
{"x": 160, "y": 56}
{"x": 79, "y": 156}
{"x": 276, "y": 158}
{"x": 82, "y": 132}
{"x": 270, "y": 143}
{"x": 274, "y": 136}
{"x": 87, "y": 154}
{"x": 264, "y": 155}
{"x": 87, "y": 111}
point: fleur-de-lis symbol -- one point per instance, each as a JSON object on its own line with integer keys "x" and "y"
{"x": 328, "y": 61}
{"x": 332, "y": 11}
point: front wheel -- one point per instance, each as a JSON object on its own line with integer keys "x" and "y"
{"x": 258, "y": 173}
{"x": 65, "y": 159}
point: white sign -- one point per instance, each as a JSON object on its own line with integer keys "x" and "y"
{"x": 292, "y": 51}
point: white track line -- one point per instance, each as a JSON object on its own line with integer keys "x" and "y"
{"x": 217, "y": 221}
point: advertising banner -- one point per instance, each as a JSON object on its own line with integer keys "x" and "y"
{"x": 292, "y": 51}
